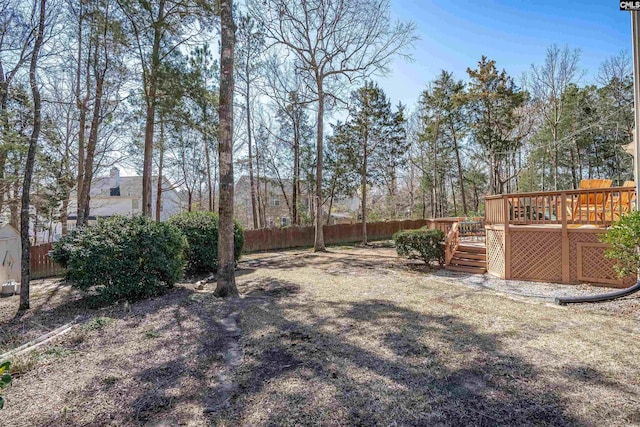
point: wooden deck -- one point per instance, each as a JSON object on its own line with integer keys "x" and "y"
{"x": 549, "y": 237}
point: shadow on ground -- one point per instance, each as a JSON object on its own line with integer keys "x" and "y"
{"x": 305, "y": 361}
{"x": 375, "y": 363}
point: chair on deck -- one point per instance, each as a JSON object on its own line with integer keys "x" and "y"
{"x": 620, "y": 204}
{"x": 586, "y": 206}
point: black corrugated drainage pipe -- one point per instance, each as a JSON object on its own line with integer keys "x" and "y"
{"x": 600, "y": 297}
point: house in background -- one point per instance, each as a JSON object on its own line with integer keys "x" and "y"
{"x": 275, "y": 202}
{"x": 276, "y": 198}
{"x": 122, "y": 195}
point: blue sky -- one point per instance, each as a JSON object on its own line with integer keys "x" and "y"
{"x": 454, "y": 34}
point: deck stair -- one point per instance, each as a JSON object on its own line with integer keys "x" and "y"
{"x": 469, "y": 259}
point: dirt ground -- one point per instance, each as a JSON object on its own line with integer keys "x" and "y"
{"x": 349, "y": 337}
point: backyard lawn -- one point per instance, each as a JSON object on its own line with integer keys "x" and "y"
{"x": 350, "y": 337}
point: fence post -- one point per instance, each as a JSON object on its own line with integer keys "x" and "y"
{"x": 507, "y": 239}
{"x": 566, "y": 273}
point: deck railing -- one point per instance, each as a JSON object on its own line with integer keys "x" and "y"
{"x": 451, "y": 242}
{"x": 598, "y": 206}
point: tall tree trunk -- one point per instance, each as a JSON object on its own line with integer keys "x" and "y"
{"x": 207, "y": 157}
{"x": 434, "y": 190}
{"x": 226, "y": 285}
{"x": 261, "y": 215}
{"x": 318, "y": 245}
{"x": 35, "y": 220}
{"x": 89, "y": 152}
{"x": 213, "y": 187}
{"x": 424, "y": 200}
{"x": 85, "y": 194}
{"x": 296, "y": 175}
{"x": 476, "y": 197}
{"x": 4, "y": 117}
{"x": 265, "y": 200}
{"x": 333, "y": 189}
{"x": 453, "y": 195}
{"x": 64, "y": 216}
{"x": 532, "y": 169}
{"x": 544, "y": 170}
{"x": 147, "y": 169}
{"x": 363, "y": 183}
{"x": 14, "y": 206}
{"x": 574, "y": 172}
{"x": 460, "y": 172}
{"x": 28, "y": 170}
{"x": 411, "y": 190}
{"x": 254, "y": 207}
{"x": 160, "y": 170}
{"x": 392, "y": 185}
{"x": 210, "y": 195}
{"x": 492, "y": 174}
{"x": 148, "y": 156}
{"x": 81, "y": 104}
{"x": 579, "y": 160}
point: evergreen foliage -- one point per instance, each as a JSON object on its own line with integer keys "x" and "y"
{"x": 426, "y": 244}
{"x": 201, "y": 230}
{"x": 122, "y": 258}
{"x": 623, "y": 238}
{"x": 372, "y": 143}
{"x": 5, "y": 379}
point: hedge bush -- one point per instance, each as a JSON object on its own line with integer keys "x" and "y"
{"x": 623, "y": 238}
{"x": 201, "y": 230}
{"x": 423, "y": 243}
{"x": 123, "y": 258}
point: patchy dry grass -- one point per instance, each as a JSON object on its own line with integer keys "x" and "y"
{"x": 151, "y": 363}
{"x": 355, "y": 336}
{"x": 351, "y": 337}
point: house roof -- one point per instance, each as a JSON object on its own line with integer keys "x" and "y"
{"x": 7, "y": 231}
{"x": 130, "y": 186}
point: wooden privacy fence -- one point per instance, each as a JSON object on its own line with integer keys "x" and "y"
{"x": 41, "y": 265}
{"x": 297, "y": 237}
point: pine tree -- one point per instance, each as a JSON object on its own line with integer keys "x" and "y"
{"x": 372, "y": 142}
{"x": 493, "y": 101}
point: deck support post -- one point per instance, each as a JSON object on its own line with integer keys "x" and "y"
{"x": 507, "y": 239}
{"x": 566, "y": 272}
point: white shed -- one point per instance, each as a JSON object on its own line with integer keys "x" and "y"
{"x": 9, "y": 254}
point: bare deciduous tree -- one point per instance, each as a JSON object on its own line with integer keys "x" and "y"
{"x": 286, "y": 89}
{"x": 250, "y": 46}
{"x": 25, "y": 276}
{"x": 333, "y": 41}
{"x": 16, "y": 39}
{"x": 549, "y": 83}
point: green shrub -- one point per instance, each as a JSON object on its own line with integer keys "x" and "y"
{"x": 424, "y": 243}
{"x": 201, "y": 230}
{"x": 123, "y": 258}
{"x": 5, "y": 379}
{"x": 623, "y": 238}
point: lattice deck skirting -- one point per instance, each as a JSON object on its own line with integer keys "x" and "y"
{"x": 593, "y": 266}
{"x": 537, "y": 253}
{"x": 495, "y": 252}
